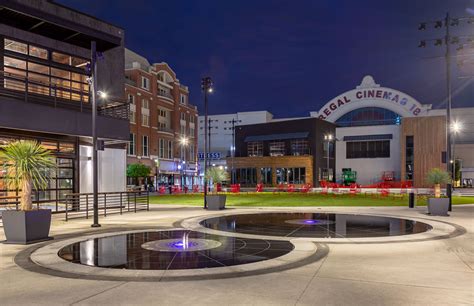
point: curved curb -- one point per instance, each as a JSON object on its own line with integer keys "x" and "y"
{"x": 44, "y": 259}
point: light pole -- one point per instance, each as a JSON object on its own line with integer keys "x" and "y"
{"x": 184, "y": 143}
{"x": 232, "y": 149}
{"x": 456, "y": 127}
{"x": 95, "y": 183}
{"x": 328, "y": 138}
{"x": 447, "y": 22}
{"x": 206, "y": 86}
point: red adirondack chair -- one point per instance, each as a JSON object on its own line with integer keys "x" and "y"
{"x": 354, "y": 189}
{"x": 306, "y": 188}
{"x": 235, "y": 188}
{"x": 259, "y": 188}
{"x": 162, "y": 190}
{"x": 291, "y": 188}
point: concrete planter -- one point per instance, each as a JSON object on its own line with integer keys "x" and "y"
{"x": 25, "y": 227}
{"x": 438, "y": 206}
{"x": 216, "y": 201}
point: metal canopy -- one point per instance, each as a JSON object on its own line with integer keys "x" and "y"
{"x": 368, "y": 137}
{"x": 277, "y": 136}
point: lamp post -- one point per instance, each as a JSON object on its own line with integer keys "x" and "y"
{"x": 184, "y": 143}
{"x": 95, "y": 183}
{"x": 232, "y": 149}
{"x": 328, "y": 138}
{"x": 447, "y": 40}
{"x": 206, "y": 86}
{"x": 455, "y": 129}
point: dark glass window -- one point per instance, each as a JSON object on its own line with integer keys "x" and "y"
{"x": 369, "y": 116}
{"x": 276, "y": 148}
{"x": 266, "y": 176}
{"x": 368, "y": 149}
{"x": 246, "y": 176}
{"x": 409, "y": 160}
{"x": 291, "y": 175}
{"x": 255, "y": 148}
{"x": 300, "y": 147}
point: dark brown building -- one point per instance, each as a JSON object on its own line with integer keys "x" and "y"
{"x": 283, "y": 152}
{"x": 163, "y": 124}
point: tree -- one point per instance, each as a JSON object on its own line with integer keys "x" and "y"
{"x": 28, "y": 165}
{"x": 217, "y": 175}
{"x": 437, "y": 177}
{"x": 137, "y": 171}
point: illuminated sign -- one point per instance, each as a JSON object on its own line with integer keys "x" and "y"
{"x": 210, "y": 155}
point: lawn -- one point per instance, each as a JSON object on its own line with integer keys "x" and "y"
{"x": 296, "y": 199}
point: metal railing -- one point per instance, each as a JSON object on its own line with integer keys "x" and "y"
{"x": 80, "y": 205}
{"x": 19, "y": 87}
{"x": 165, "y": 129}
{"x": 165, "y": 94}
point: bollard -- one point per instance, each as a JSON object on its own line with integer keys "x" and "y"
{"x": 411, "y": 200}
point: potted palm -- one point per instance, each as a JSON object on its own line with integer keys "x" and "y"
{"x": 217, "y": 175}
{"x": 28, "y": 165}
{"x": 438, "y": 206}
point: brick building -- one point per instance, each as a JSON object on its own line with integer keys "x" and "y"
{"x": 163, "y": 125}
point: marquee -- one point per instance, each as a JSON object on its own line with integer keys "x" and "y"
{"x": 370, "y": 94}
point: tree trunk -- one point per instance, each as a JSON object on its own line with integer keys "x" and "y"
{"x": 437, "y": 190}
{"x": 25, "y": 200}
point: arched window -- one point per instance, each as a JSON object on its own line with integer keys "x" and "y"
{"x": 369, "y": 116}
{"x": 165, "y": 77}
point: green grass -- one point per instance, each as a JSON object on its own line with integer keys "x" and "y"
{"x": 296, "y": 199}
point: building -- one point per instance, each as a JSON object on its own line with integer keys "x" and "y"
{"x": 383, "y": 134}
{"x": 283, "y": 152}
{"x": 163, "y": 127}
{"x": 44, "y": 94}
{"x": 221, "y": 133}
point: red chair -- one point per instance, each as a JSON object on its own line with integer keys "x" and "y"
{"x": 291, "y": 188}
{"x": 218, "y": 187}
{"x": 259, "y": 188}
{"x": 162, "y": 190}
{"x": 235, "y": 188}
{"x": 177, "y": 189}
{"x": 280, "y": 188}
{"x": 306, "y": 188}
{"x": 195, "y": 188}
{"x": 354, "y": 189}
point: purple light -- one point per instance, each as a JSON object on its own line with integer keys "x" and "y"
{"x": 310, "y": 221}
{"x": 181, "y": 245}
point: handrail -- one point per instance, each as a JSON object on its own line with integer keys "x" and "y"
{"x": 81, "y": 204}
{"x": 18, "y": 87}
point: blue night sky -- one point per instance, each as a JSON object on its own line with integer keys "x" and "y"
{"x": 291, "y": 57}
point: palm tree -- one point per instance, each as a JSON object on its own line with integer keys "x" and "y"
{"x": 28, "y": 165}
{"x": 437, "y": 177}
{"x": 217, "y": 175}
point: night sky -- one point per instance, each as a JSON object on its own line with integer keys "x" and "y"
{"x": 291, "y": 57}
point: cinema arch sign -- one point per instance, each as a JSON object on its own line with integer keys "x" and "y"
{"x": 370, "y": 94}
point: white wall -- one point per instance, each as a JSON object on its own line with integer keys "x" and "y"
{"x": 369, "y": 170}
{"x": 112, "y": 170}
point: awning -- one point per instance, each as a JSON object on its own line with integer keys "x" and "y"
{"x": 368, "y": 137}
{"x": 277, "y": 136}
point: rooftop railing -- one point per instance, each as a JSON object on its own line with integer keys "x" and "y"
{"x": 46, "y": 93}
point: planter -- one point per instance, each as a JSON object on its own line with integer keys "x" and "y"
{"x": 216, "y": 201}
{"x": 25, "y": 227}
{"x": 438, "y": 206}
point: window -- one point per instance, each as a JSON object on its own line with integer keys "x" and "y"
{"x": 161, "y": 148}
{"x": 68, "y": 60}
{"x": 38, "y": 52}
{"x": 299, "y": 147}
{"x": 368, "y": 149}
{"x": 368, "y": 116}
{"x": 291, "y": 175}
{"x": 246, "y": 176}
{"x": 183, "y": 152}
{"x": 162, "y": 113}
{"x": 131, "y": 145}
{"x": 131, "y": 99}
{"x": 192, "y": 155}
{"x": 192, "y": 119}
{"x": 145, "y": 83}
{"x": 182, "y": 99}
{"x": 182, "y": 116}
{"x": 15, "y": 46}
{"x": 191, "y": 131}
{"x": 145, "y": 104}
{"x": 170, "y": 149}
{"x": 409, "y": 157}
{"x": 266, "y": 176}
{"x": 183, "y": 130}
{"x": 145, "y": 120}
{"x": 133, "y": 117}
{"x": 254, "y": 148}
{"x": 276, "y": 148}
{"x": 145, "y": 146}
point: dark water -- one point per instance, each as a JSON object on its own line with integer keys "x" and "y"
{"x": 317, "y": 225}
{"x": 126, "y": 251}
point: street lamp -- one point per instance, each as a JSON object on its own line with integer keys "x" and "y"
{"x": 184, "y": 143}
{"x": 328, "y": 138}
{"x": 206, "y": 86}
{"x": 456, "y": 127}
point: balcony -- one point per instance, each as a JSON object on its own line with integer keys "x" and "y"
{"x": 165, "y": 95}
{"x": 165, "y": 129}
{"x": 40, "y": 106}
{"x": 130, "y": 82}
